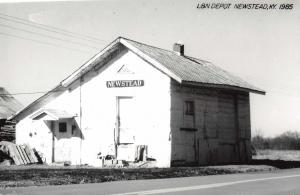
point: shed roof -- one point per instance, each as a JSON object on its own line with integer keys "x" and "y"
{"x": 54, "y": 114}
{"x": 183, "y": 69}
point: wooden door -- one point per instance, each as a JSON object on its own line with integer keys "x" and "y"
{"x": 125, "y": 136}
{"x": 61, "y": 142}
{"x": 184, "y": 148}
{"x": 188, "y": 146}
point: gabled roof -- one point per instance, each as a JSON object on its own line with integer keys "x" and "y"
{"x": 181, "y": 68}
{"x": 8, "y": 104}
{"x": 189, "y": 69}
{"x": 53, "y": 114}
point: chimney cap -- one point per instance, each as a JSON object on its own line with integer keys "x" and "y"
{"x": 178, "y": 48}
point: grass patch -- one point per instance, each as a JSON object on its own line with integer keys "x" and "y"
{"x": 17, "y": 176}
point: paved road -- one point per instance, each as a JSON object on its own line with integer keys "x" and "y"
{"x": 279, "y": 182}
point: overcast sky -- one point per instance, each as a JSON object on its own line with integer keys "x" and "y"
{"x": 261, "y": 46}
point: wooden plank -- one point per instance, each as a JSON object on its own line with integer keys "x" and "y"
{"x": 35, "y": 158}
{"x": 21, "y": 155}
{"x": 18, "y": 155}
{"x": 30, "y": 154}
{"x": 25, "y": 155}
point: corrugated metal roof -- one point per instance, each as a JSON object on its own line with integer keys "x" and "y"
{"x": 8, "y": 104}
{"x": 191, "y": 69}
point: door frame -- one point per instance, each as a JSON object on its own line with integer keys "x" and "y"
{"x": 117, "y": 122}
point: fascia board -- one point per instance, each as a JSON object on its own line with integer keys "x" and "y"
{"x": 69, "y": 79}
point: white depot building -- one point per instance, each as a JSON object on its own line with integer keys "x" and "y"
{"x": 132, "y": 99}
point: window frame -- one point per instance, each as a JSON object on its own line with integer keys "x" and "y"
{"x": 60, "y": 130}
{"x": 189, "y": 107}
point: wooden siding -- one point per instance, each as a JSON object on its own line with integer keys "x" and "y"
{"x": 221, "y": 126}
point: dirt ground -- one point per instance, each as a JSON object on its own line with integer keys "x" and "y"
{"x": 39, "y": 175}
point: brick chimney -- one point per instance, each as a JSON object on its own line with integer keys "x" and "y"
{"x": 178, "y": 48}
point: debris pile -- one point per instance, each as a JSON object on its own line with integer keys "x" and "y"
{"x": 7, "y": 131}
{"x": 11, "y": 153}
{"x": 141, "y": 159}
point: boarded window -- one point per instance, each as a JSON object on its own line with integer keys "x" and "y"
{"x": 189, "y": 116}
{"x": 62, "y": 127}
{"x": 189, "y": 108}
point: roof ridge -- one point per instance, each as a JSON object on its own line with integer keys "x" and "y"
{"x": 171, "y": 51}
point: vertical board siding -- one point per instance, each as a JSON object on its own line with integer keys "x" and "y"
{"x": 226, "y": 118}
{"x": 222, "y": 123}
{"x": 245, "y": 127}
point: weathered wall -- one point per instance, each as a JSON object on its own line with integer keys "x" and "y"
{"x": 37, "y": 135}
{"x": 219, "y": 132}
{"x": 95, "y": 105}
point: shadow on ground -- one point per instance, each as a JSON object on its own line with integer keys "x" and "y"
{"x": 280, "y": 164}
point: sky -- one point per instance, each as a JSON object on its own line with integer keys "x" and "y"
{"x": 260, "y": 46}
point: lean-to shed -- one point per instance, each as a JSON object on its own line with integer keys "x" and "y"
{"x": 135, "y": 102}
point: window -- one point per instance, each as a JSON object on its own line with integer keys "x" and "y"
{"x": 189, "y": 108}
{"x": 63, "y": 127}
{"x": 188, "y": 122}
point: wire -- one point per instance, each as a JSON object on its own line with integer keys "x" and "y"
{"x": 42, "y": 42}
{"x": 29, "y": 93}
{"x": 51, "y": 28}
{"x": 52, "y": 37}
{"x": 47, "y": 27}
